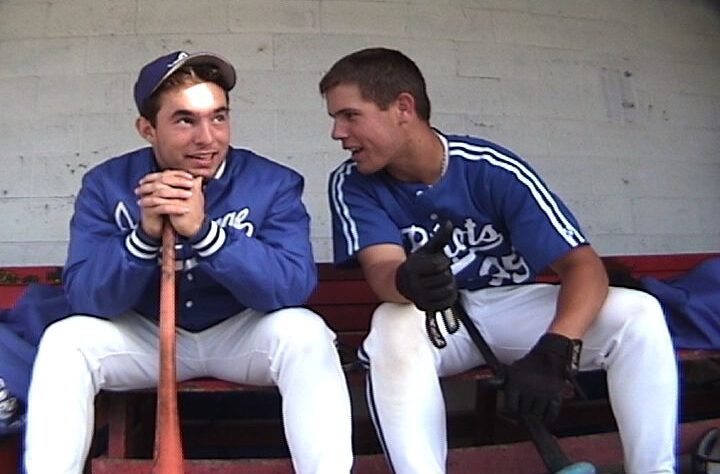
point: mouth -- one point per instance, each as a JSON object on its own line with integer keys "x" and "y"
{"x": 202, "y": 159}
{"x": 354, "y": 152}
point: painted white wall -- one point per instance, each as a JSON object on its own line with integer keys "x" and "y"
{"x": 615, "y": 102}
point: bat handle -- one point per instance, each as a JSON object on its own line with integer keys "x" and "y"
{"x": 168, "y": 444}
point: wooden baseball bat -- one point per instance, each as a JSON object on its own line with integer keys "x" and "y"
{"x": 168, "y": 456}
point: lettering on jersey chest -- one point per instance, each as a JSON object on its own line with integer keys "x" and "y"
{"x": 237, "y": 219}
{"x": 478, "y": 252}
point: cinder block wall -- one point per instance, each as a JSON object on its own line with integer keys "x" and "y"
{"x": 615, "y": 102}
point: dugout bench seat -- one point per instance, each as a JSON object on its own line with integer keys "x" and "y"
{"x": 479, "y": 439}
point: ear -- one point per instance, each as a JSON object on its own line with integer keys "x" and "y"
{"x": 405, "y": 104}
{"x": 145, "y": 129}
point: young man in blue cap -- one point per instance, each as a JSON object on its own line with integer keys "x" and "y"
{"x": 244, "y": 263}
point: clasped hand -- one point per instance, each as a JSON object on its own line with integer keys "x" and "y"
{"x": 173, "y": 193}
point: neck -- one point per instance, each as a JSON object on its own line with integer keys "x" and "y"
{"x": 422, "y": 160}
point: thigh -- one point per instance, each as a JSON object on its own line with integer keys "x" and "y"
{"x": 243, "y": 348}
{"x": 510, "y": 319}
{"x": 121, "y": 353}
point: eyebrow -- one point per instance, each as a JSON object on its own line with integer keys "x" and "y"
{"x": 186, "y": 113}
{"x": 343, "y": 111}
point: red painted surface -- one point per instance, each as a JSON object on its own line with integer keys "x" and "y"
{"x": 8, "y": 454}
{"x": 518, "y": 458}
{"x": 346, "y": 302}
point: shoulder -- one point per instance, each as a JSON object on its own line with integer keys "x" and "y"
{"x": 480, "y": 157}
{"x": 475, "y": 149}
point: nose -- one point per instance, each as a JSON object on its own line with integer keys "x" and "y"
{"x": 338, "y": 131}
{"x": 203, "y": 132}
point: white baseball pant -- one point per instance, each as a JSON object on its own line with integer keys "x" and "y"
{"x": 629, "y": 339}
{"x": 291, "y": 348}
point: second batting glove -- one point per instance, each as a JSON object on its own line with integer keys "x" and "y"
{"x": 535, "y": 383}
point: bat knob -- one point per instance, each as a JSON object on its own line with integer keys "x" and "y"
{"x": 578, "y": 468}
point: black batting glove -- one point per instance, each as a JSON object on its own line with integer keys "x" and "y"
{"x": 425, "y": 277}
{"x": 535, "y": 383}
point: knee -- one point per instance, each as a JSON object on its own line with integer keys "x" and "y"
{"x": 66, "y": 334}
{"x": 299, "y": 330}
{"x": 643, "y": 318}
{"x": 396, "y": 335}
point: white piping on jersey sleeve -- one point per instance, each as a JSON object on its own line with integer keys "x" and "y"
{"x": 349, "y": 228}
{"x": 212, "y": 242}
{"x": 139, "y": 248}
{"x": 539, "y": 192}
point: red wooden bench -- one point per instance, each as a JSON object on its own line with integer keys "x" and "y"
{"x": 478, "y": 438}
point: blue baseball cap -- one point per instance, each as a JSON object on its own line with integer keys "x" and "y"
{"x": 154, "y": 73}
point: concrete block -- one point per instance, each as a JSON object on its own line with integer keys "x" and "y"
{"x": 255, "y": 130}
{"x": 20, "y": 253}
{"x": 15, "y": 176}
{"x": 448, "y": 21}
{"x": 262, "y": 90}
{"x": 686, "y": 17}
{"x": 178, "y": 16}
{"x": 674, "y": 179}
{"x": 85, "y": 94}
{"x": 41, "y": 177}
{"x": 667, "y": 216}
{"x": 322, "y": 249}
{"x": 565, "y": 92}
{"x": 656, "y": 42}
{"x": 524, "y": 136}
{"x": 566, "y": 137}
{"x": 315, "y": 168}
{"x": 374, "y": 18}
{"x": 24, "y": 216}
{"x": 521, "y": 134}
{"x": 244, "y": 51}
{"x": 602, "y": 214}
{"x": 319, "y": 210}
{"x": 709, "y": 222}
{"x": 693, "y": 111}
{"x": 37, "y": 57}
{"x": 308, "y": 52}
{"x": 564, "y": 33}
{"x": 620, "y": 11}
{"x": 11, "y": 90}
{"x": 108, "y": 134}
{"x": 465, "y": 95}
{"x": 57, "y": 176}
{"x": 55, "y": 134}
{"x": 305, "y": 132}
{"x": 23, "y": 20}
{"x": 71, "y": 18}
{"x": 275, "y": 16}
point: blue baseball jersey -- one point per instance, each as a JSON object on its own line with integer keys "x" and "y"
{"x": 254, "y": 250}
{"x": 508, "y": 225}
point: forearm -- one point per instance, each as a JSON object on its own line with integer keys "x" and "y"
{"x": 381, "y": 278}
{"x": 583, "y": 289}
{"x": 380, "y": 264}
{"x": 265, "y": 273}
